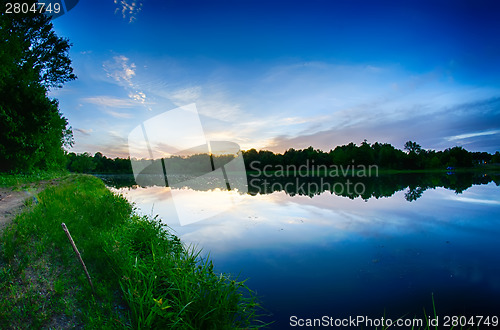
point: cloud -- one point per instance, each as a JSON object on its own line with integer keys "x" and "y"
{"x": 384, "y": 104}
{"x": 185, "y": 95}
{"x": 83, "y": 131}
{"x": 471, "y": 135}
{"x": 320, "y": 104}
{"x": 295, "y": 99}
{"x": 108, "y": 101}
{"x": 103, "y": 139}
{"x": 430, "y": 130}
{"x": 123, "y": 71}
{"x": 138, "y": 96}
{"x": 474, "y": 200}
{"x": 213, "y": 101}
{"x": 220, "y": 110}
{"x": 129, "y": 9}
{"x": 120, "y": 70}
{"x": 117, "y": 114}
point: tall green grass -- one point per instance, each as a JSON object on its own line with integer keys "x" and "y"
{"x": 20, "y": 179}
{"x": 143, "y": 275}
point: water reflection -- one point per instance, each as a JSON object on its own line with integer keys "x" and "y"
{"x": 324, "y": 254}
{"x": 351, "y": 187}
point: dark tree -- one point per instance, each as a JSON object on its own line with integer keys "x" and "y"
{"x": 40, "y": 54}
{"x": 458, "y": 157}
{"x": 496, "y": 158}
{"x": 81, "y": 163}
{"x": 33, "y": 59}
{"x": 412, "y": 147}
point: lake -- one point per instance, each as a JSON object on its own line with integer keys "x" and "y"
{"x": 383, "y": 251}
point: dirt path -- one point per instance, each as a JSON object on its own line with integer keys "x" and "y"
{"x": 11, "y": 203}
{"x": 12, "y": 200}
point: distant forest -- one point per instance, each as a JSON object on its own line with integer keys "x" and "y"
{"x": 383, "y": 155}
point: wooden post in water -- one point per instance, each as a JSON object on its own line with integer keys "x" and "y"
{"x": 78, "y": 255}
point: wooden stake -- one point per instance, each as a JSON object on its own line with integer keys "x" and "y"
{"x": 78, "y": 255}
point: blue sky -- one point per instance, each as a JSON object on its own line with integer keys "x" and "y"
{"x": 280, "y": 74}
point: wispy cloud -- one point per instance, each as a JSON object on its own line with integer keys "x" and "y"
{"x": 220, "y": 110}
{"x": 120, "y": 69}
{"x": 471, "y": 135}
{"x": 116, "y": 146}
{"x": 474, "y": 200}
{"x": 129, "y": 9}
{"x": 110, "y": 143}
{"x": 108, "y": 101}
{"x": 212, "y": 100}
{"x": 123, "y": 71}
{"x": 117, "y": 114}
{"x": 480, "y": 116}
{"x": 84, "y": 131}
{"x": 319, "y": 104}
{"x": 186, "y": 95}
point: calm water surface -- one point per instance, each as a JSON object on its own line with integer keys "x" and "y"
{"x": 326, "y": 254}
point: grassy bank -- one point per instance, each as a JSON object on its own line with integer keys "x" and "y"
{"x": 144, "y": 277}
{"x": 19, "y": 181}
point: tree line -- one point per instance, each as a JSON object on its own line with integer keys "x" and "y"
{"x": 386, "y": 156}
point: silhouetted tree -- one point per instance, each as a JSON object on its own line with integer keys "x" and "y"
{"x": 496, "y": 158}
{"x": 412, "y": 147}
{"x": 33, "y": 59}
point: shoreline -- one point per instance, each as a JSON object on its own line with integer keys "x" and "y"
{"x": 130, "y": 259}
